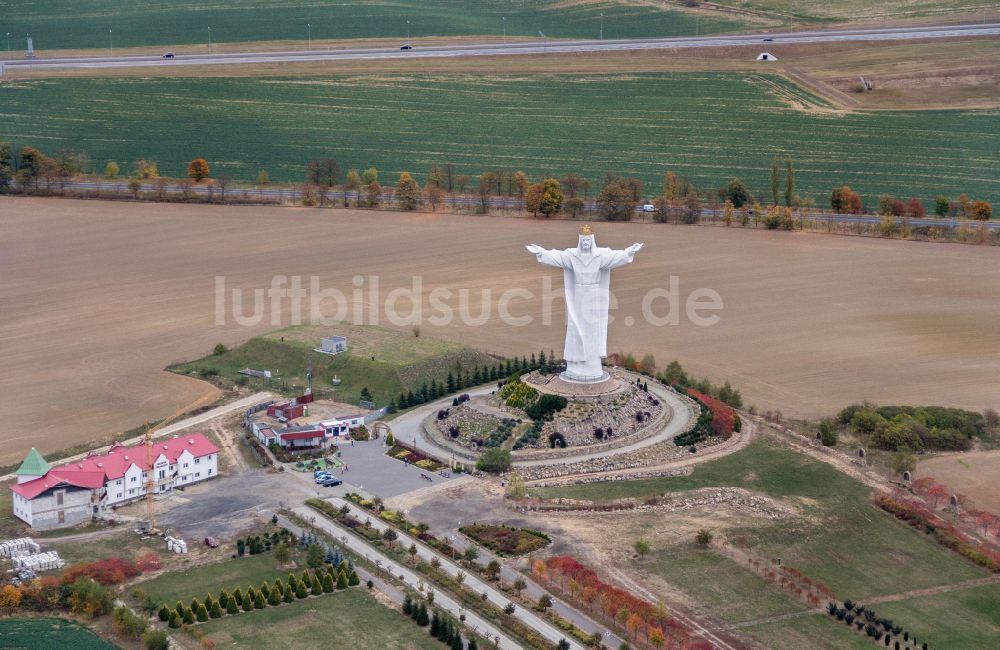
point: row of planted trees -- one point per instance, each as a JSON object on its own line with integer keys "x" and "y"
{"x": 296, "y": 587}
{"x": 617, "y": 197}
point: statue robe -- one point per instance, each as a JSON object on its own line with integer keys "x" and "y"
{"x": 587, "y": 282}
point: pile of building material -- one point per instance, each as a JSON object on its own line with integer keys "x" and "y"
{"x": 19, "y": 547}
{"x": 39, "y": 562}
{"x": 176, "y": 545}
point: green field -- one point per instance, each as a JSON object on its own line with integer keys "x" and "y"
{"x": 135, "y": 23}
{"x": 968, "y": 618}
{"x": 811, "y": 631}
{"x": 348, "y": 619}
{"x": 842, "y": 10}
{"x": 48, "y": 634}
{"x": 195, "y": 582}
{"x": 729, "y": 591}
{"x": 401, "y": 362}
{"x": 837, "y": 537}
{"x": 709, "y": 127}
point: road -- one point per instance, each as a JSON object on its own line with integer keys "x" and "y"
{"x": 426, "y": 553}
{"x": 407, "y": 576}
{"x": 513, "y": 49}
{"x": 461, "y": 201}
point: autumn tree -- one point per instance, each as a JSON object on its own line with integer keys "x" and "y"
{"x": 198, "y": 169}
{"x": 692, "y": 208}
{"x": 941, "y": 206}
{"x": 727, "y": 213}
{"x": 671, "y": 186}
{"x": 352, "y": 183}
{"x": 373, "y": 194}
{"x": 434, "y": 194}
{"x": 32, "y": 164}
{"x": 616, "y": 200}
{"x": 146, "y": 169}
{"x": 6, "y": 167}
{"x": 522, "y": 184}
{"x": 111, "y": 169}
{"x": 844, "y": 200}
{"x": 574, "y": 206}
{"x": 981, "y": 211}
{"x": 435, "y": 178}
{"x": 937, "y": 492}
{"x": 915, "y": 208}
{"x": 486, "y": 183}
{"x": 573, "y": 184}
{"x": 323, "y": 171}
{"x": 462, "y": 183}
{"x": 407, "y": 192}
{"x": 737, "y": 193}
{"x": 533, "y": 198}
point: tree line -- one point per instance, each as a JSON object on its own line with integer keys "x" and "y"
{"x": 617, "y": 197}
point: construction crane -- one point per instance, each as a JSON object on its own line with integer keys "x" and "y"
{"x": 148, "y": 441}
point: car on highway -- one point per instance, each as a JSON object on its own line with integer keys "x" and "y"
{"x": 406, "y": 47}
{"x": 211, "y": 542}
{"x": 332, "y": 482}
{"x": 648, "y": 207}
{"x": 768, "y": 40}
{"x": 168, "y": 55}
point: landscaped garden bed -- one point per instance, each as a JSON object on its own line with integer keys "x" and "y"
{"x": 404, "y": 453}
{"x": 506, "y": 540}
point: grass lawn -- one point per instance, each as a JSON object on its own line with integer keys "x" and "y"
{"x": 134, "y": 23}
{"x": 708, "y": 127}
{"x": 811, "y": 631}
{"x": 351, "y": 618}
{"x": 730, "y": 592}
{"x": 968, "y": 618}
{"x": 401, "y": 361}
{"x": 838, "y": 536}
{"x": 48, "y": 634}
{"x": 229, "y": 574}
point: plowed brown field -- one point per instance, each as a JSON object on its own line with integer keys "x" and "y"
{"x": 97, "y": 297}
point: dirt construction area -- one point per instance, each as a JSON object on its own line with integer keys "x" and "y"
{"x": 98, "y": 297}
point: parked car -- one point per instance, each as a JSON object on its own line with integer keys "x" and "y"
{"x": 406, "y": 47}
{"x": 332, "y": 482}
{"x": 211, "y": 542}
{"x": 325, "y": 477}
{"x": 648, "y": 207}
{"x": 168, "y": 55}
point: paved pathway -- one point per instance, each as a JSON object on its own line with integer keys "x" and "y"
{"x": 534, "y": 591}
{"x": 408, "y": 428}
{"x": 448, "y": 566}
{"x": 441, "y": 599}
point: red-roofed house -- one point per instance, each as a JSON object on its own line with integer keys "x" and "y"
{"x": 89, "y": 488}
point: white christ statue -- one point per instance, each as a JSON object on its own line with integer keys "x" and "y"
{"x": 587, "y": 281}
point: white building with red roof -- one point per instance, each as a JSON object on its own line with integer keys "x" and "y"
{"x": 48, "y": 497}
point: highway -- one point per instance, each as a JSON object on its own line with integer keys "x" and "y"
{"x": 466, "y": 201}
{"x": 764, "y": 40}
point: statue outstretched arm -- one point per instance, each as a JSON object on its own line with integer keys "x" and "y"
{"x": 621, "y": 258}
{"x": 545, "y": 256}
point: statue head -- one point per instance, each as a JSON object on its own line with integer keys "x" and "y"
{"x": 587, "y": 243}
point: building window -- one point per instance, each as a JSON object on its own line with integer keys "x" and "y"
{"x": 133, "y": 479}
{"x": 62, "y": 516}
{"x": 197, "y": 475}
{"x": 209, "y": 472}
{"x": 185, "y": 464}
{"x": 163, "y": 473}
{"x": 197, "y": 461}
{"x": 59, "y": 499}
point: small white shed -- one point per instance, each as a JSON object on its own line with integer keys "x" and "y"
{"x": 766, "y": 56}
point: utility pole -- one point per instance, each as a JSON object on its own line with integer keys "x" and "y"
{"x": 310, "y": 28}
{"x": 210, "y": 40}
{"x": 545, "y": 46}
{"x": 407, "y": 32}
{"x": 602, "y": 26}
{"x": 111, "y": 43}
{"x": 504, "y": 29}
{"x": 8, "y": 43}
